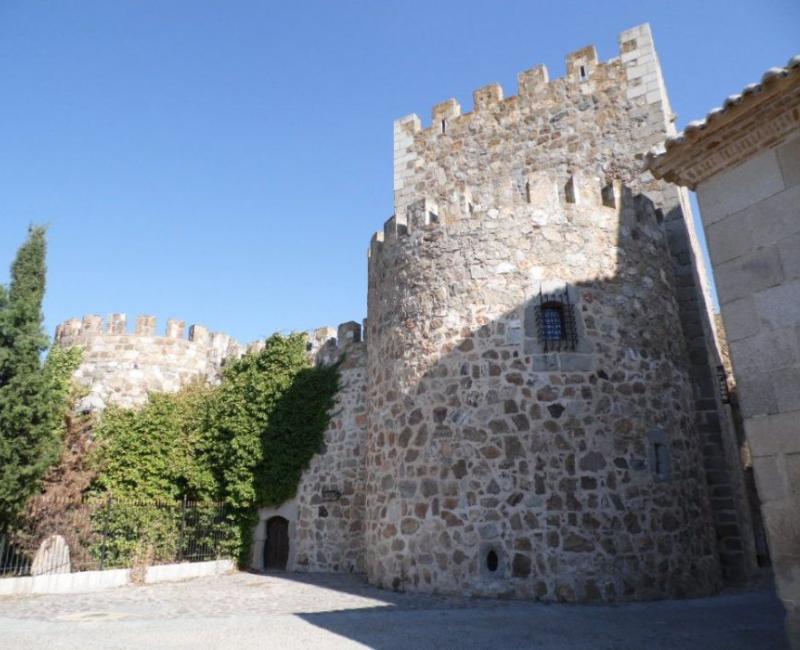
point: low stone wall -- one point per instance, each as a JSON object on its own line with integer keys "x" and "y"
{"x": 88, "y": 581}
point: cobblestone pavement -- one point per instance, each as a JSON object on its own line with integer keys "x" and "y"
{"x": 342, "y": 611}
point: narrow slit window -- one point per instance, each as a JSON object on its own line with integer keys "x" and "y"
{"x": 528, "y": 192}
{"x": 570, "y": 192}
{"x": 583, "y": 72}
{"x": 659, "y": 456}
{"x": 444, "y": 126}
{"x": 662, "y": 461}
{"x": 658, "y": 452}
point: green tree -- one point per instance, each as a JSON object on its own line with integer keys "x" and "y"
{"x": 32, "y": 394}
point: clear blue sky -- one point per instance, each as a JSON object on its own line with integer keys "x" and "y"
{"x": 227, "y": 162}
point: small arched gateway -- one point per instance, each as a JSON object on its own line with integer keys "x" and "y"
{"x": 275, "y": 538}
{"x": 276, "y": 544}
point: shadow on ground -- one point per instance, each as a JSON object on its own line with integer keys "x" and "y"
{"x": 343, "y": 612}
{"x": 748, "y": 618}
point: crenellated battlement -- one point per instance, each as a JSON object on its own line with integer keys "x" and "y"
{"x": 522, "y": 275}
{"x": 121, "y": 366}
{"x": 326, "y": 345}
{"x": 584, "y": 73}
{"x": 542, "y": 197}
{"x": 596, "y": 118}
{"x": 75, "y": 330}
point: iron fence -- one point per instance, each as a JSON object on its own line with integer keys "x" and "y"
{"x": 66, "y": 536}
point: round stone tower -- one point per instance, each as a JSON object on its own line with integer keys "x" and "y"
{"x": 121, "y": 367}
{"x": 530, "y": 409}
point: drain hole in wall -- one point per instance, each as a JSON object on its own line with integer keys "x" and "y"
{"x": 491, "y": 561}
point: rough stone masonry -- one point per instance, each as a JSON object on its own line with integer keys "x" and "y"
{"x": 533, "y": 410}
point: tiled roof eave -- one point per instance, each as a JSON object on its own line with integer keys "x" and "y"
{"x": 691, "y": 156}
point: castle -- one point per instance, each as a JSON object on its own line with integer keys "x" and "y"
{"x": 533, "y": 406}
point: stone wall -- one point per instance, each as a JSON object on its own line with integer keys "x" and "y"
{"x": 599, "y": 120}
{"x": 652, "y": 120}
{"x": 326, "y": 518}
{"x": 752, "y": 222}
{"x": 495, "y": 468}
{"x": 330, "y": 498}
{"x": 121, "y": 368}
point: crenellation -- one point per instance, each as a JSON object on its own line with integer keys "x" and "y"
{"x": 118, "y": 324}
{"x": 583, "y": 189}
{"x": 581, "y": 63}
{"x": 392, "y": 229}
{"x": 328, "y": 345}
{"x": 222, "y": 347}
{"x": 92, "y": 324}
{"x": 68, "y": 329}
{"x": 422, "y": 213}
{"x": 539, "y": 197}
{"x": 487, "y": 97}
{"x": 376, "y": 243}
{"x": 541, "y": 190}
{"x": 199, "y": 334}
{"x": 176, "y": 329}
{"x": 122, "y": 368}
{"x": 444, "y": 112}
{"x": 349, "y": 332}
{"x": 611, "y": 193}
{"x": 146, "y": 325}
{"x": 534, "y": 81}
{"x": 585, "y": 73}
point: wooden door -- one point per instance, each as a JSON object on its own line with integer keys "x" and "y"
{"x": 276, "y": 548}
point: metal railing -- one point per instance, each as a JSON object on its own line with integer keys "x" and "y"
{"x": 66, "y": 536}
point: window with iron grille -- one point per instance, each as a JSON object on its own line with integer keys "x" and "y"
{"x": 555, "y": 322}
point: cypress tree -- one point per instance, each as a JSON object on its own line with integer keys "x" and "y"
{"x": 30, "y": 406}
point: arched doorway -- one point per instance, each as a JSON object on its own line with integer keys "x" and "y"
{"x": 276, "y": 546}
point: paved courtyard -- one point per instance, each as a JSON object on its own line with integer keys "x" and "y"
{"x": 244, "y": 610}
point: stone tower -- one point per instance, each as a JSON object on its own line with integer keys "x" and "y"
{"x": 537, "y": 395}
{"x": 121, "y": 367}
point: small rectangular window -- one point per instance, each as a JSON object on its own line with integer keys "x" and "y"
{"x": 555, "y": 322}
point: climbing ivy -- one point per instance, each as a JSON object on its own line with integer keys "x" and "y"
{"x": 158, "y": 452}
{"x": 244, "y": 442}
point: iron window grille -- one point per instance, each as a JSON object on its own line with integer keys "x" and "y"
{"x": 555, "y": 322}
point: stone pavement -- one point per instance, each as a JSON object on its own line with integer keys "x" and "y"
{"x": 342, "y": 611}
